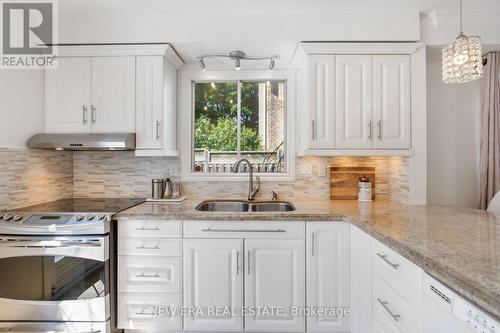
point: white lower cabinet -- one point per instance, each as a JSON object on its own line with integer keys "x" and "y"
{"x": 328, "y": 276}
{"x": 213, "y": 284}
{"x": 149, "y": 312}
{"x": 361, "y": 282}
{"x": 275, "y": 280}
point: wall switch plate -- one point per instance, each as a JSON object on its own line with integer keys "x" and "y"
{"x": 306, "y": 170}
{"x": 322, "y": 170}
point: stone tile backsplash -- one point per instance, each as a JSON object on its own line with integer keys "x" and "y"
{"x": 121, "y": 174}
{"x": 33, "y": 176}
{"x": 30, "y": 176}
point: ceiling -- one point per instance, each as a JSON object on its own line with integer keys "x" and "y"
{"x": 197, "y": 27}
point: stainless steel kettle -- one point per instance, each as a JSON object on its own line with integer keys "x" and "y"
{"x": 161, "y": 188}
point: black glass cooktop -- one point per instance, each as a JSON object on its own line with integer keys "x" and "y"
{"x": 82, "y": 205}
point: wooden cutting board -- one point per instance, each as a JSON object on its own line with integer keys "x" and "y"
{"x": 344, "y": 182}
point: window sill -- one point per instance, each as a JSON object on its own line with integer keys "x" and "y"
{"x": 238, "y": 177}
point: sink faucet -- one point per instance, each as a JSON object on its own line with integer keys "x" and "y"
{"x": 252, "y": 191}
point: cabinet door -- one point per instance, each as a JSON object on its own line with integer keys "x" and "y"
{"x": 213, "y": 280}
{"x": 67, "y": 96}
{"x": 113, "y": 94}
{"x": 274, "y": 280}
{"x": 328, "y": 275}
{"x": 361, "y": 282}
{"x": 322, "y": 101}
{"x": 354, "y": 101}
{"x": 149, "y": 104}
{"x": 391, "y": 99}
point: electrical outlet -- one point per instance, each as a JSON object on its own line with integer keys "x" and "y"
{"x": 306, "y": 170}
{"x": 322, "y": 170}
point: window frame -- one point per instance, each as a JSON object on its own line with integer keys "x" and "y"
{"x": 186, "y": 107}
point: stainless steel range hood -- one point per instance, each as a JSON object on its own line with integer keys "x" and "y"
{"x": 83, "y": 141}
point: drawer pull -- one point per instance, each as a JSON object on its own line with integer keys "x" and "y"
{"x": 237, "y": 262}
{"x": 243, "y": 230}
{"x": 384, "y": 304}
{"x": 144, "y": 247}
{"x": 148, "y": 229}
{"x": 384, "y": 258}
{"x": 144, "y": 313}
{"x": 144, "y": 275}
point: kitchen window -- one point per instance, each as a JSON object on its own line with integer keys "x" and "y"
{"x": 239, "y": 118}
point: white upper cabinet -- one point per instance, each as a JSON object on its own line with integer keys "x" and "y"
{"x": 113, "y": 94}
{"x": 116, "y": 89}
{"x": 322, "y": 101}
{"x": 274, "y": 277}
{"x": 357, "y": 99}
{"x": 391, "y": 100}
{"x": 149, "y": 103}
{"x": 354, "y": 101}
{"x": 67, "y": 96}
{"x": 328, "y": 274}
{"x": 213, "y": 278}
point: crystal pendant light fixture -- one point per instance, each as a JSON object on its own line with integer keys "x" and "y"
{"x": 462, "y": 58}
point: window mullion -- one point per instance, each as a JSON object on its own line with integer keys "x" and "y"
{"x": 238, "y": 120}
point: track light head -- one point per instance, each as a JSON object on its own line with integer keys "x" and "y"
{"x": 202, "y": 65}
{"x": 237, "y": 65}
{"x": 271, "y": 64}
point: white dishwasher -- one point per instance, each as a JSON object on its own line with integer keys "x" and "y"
{"x": 447, "y": 312}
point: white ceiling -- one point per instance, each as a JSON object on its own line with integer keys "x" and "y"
{"x": 206, "y": 26}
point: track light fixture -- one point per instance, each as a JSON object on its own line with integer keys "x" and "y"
{"x": 202, "y": 65}
{"x": 237, "y": 56}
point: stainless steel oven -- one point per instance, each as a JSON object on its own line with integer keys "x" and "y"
{"x": 57, "y": 267}
{"x": 52, "y": 278}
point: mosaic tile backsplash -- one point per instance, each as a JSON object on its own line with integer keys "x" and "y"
{"x": 29, "y": 177}
{"x": 34, "y": 176}
{"x": 121, "y": 174}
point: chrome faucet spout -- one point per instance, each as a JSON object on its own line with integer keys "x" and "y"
{"x": 252, "y": 190}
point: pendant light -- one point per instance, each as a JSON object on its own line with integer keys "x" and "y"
{"x": 462, "y": 58}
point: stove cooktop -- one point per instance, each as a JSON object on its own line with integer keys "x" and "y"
{"x": 82, "y": 205}
{"x": 66, "y": 216}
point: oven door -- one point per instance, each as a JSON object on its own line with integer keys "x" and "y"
{"x": 55, "y": 327}
{"x": 54, "y": 278}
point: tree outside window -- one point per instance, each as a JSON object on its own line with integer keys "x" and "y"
{"x": 225, "y": 130}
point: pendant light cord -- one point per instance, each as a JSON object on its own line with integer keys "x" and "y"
{"x": 461, "y": 28}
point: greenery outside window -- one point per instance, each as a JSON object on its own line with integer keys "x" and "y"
{"x": 234, "y": 119}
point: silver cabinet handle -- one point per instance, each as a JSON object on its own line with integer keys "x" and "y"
{"x": 144, "y": 313}
{"x": 144, "y": 275}
{"x": 237, "y": 262}
{"x": 248, "y": 263}
{"x": 148, "y": 229}
{"x": 313, "y": 130}
{"x": 313, "y": 245}
{"x": 384, "y": 258}
{"x": 370, "y": 130}
{"x": 157, "y": 130}
{"x": 84, "y": 112}
{"x": 92, "y": 113}
{"x": 385, "y": 304}
{"x": 143, "y": 247}
{"x": 379, "y": 125}
{"x": 243, "y": 230}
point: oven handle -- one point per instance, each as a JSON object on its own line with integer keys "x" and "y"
{"x": 11, "y": 331}
{"x": 49, "y": 243}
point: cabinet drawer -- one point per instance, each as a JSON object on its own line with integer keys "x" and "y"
{"x": 146, "y": 274}
{"x": 150, "y": 228}
{"x": 149, "y": 312}
{"x": 392, "y": 309}
{"x": 399, "y": 272}
{"x": 149, "y": 246}
{"x": 257, "y": 229}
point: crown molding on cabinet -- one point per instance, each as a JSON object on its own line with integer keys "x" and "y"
{"x": 108, "y": 50}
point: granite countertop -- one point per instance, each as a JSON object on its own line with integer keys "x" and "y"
{"x": 458, "y": 246}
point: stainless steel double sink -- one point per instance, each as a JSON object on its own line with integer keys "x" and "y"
{"x": 244, "y": 206}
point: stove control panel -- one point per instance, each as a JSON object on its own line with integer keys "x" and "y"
{"x": 53, "y": 218}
